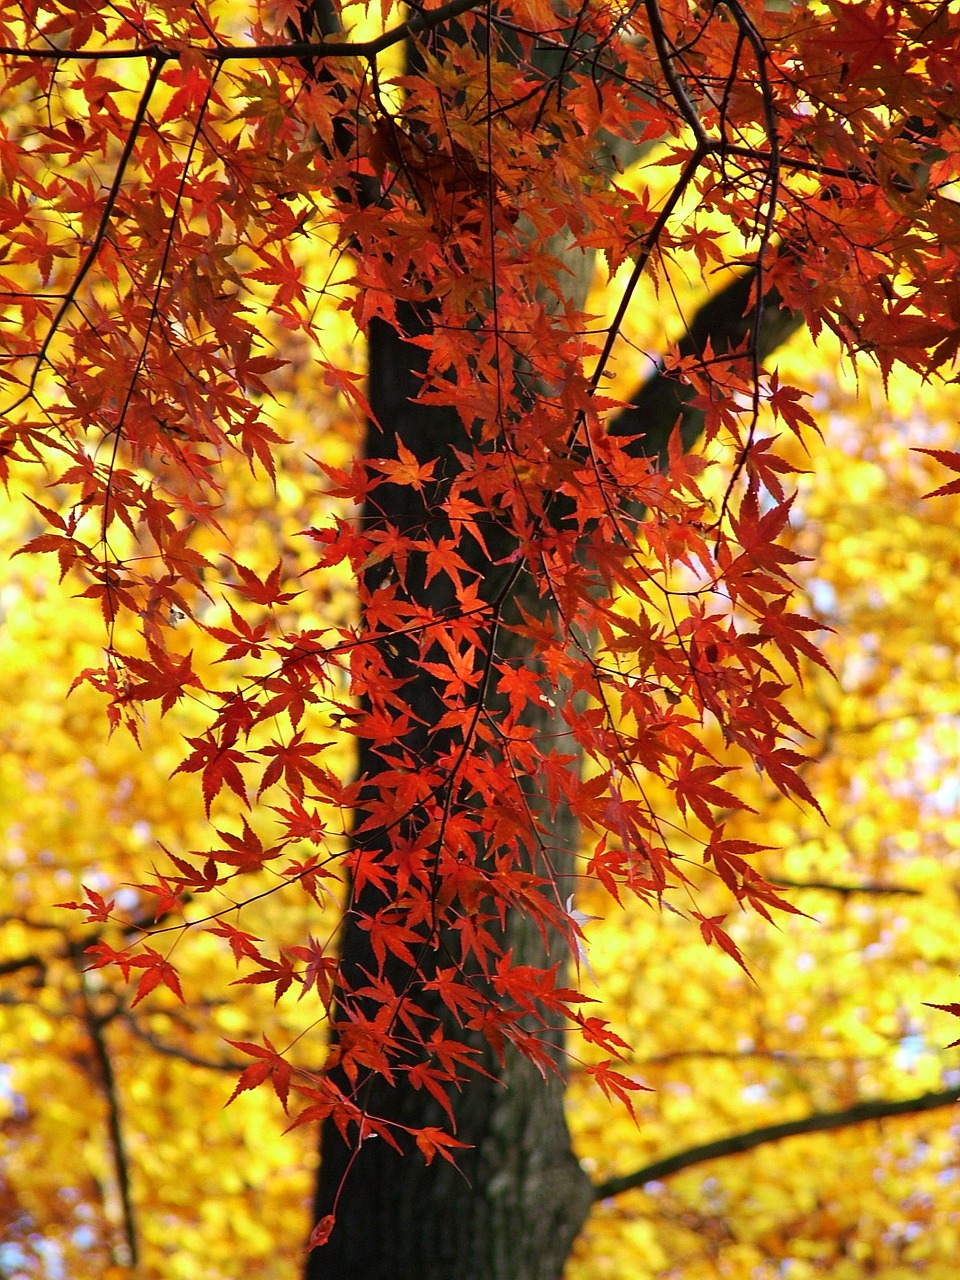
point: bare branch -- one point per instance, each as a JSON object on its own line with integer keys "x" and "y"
{"x": 819, "y": 1122}
{"x": 17, "y": 964}
{"x": 96, "y": 242}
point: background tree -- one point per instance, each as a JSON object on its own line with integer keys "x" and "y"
{"x": 498, "y": 529}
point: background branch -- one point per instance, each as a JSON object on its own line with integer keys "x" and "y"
{"x": 846, "y": 890}
{"x": 232, "y": 1066}
{"x": 722, "y": 324}
{"x": 819, "y": 1122}
{"x": 17, "y": 963}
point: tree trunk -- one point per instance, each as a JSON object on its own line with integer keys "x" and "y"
{"x": 517, "y": 1198}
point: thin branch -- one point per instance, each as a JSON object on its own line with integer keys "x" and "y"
{"x": 819, "y": 1122}
{"x": 650, "y": 243}
{"x": 665, "y": 54}
{"x": 69, "y": 298}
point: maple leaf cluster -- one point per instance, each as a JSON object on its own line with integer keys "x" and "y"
{"x": 551, "y": 590}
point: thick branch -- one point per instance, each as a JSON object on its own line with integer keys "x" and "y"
{"x": 819, "y": 1122}
{"x": 723, "y": 324}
